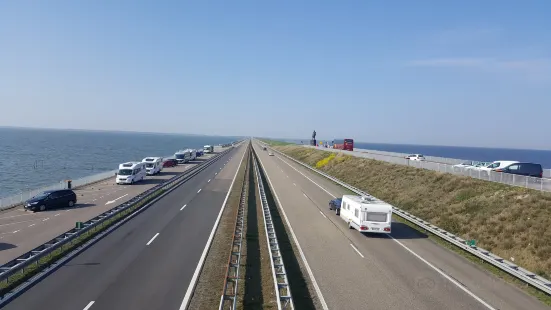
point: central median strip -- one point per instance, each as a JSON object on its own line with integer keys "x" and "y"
{"x": 22, "y": 272}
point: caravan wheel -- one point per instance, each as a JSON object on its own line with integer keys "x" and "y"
{"x": 349, "y": 225}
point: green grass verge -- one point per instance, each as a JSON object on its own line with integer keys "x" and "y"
{"x": 276, "y": 143}
{"x": 17, "y": 279}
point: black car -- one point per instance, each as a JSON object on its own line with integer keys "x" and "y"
{"x": 335, "y": 204}
{"x": 526, "y": 169}
{"x": 52, "y": 199}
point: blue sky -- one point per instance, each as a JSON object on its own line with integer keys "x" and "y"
{"x": 472, "y": 73}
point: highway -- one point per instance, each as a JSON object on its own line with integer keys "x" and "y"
{"x": 402, "y": 271}
{"x": 22, "y": 231}
{"x": 148, "y": 262}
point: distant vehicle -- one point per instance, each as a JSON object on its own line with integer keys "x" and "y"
{"x": 270, "y": 154}
{"x": 192, "y": 154}
{"x": 199, "y": 153}
{"x": 131, "y": 172}
{"x": 208, "y": 149}
{"x": 183, "y": 156}
{"x": 52, "y": 199}
{"x": 416, "y": 157}
{"x": 264, "y": 148}
{"x": 526, "y": 169}
{"x": 366, "y": 214}
{"x": 336, "y": 204}
{"x": 171, "y": 162}
{"x": 498, "y": 164}
{"x": 465, "y": 164}
{"x": 347, "y": 145}
{"x": 153, "y": 165}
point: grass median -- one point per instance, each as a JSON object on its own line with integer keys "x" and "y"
{"x": 512, "y": 222}
{"x": 210, "y": 284}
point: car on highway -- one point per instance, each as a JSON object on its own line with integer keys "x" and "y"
{"x": 51, "y": 199}
{"x": 171, "y": 162}
{"x": 270, "y": 154}
{"x": 417, "y": 157}
{"x": 335, "y": 204}
{"x": 526, "y": 169}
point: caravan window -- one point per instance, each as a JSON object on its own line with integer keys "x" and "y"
{"x": 375, "y": 217}
{"x": 357, "y": 213}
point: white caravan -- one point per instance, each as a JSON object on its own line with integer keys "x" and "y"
{"x": 208, "y": 149}
{"x": 183, "y": 156}
{"x": 153, "y": 165}
{"x": 192, "y": 154}
{"x": 131, "y": 172}
{"x": 366, "y": 214}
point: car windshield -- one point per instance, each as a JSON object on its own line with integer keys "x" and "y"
{"x": 42, "y": 195}
{"x": 125, "y": 172}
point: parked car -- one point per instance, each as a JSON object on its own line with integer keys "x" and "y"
{"x": 336, "y": 204}
{"x": 418, "y": 157}
{"x": 52, "y": 199}
{"x": 171, "y": 162}
{"x": 526, "y": 169}
{"x": 270, "y": 154}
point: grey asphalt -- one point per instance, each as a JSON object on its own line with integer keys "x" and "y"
{"x": 22, "y": 231}
{"x": 122, "y": 272}
{"x": 388, "y": 276}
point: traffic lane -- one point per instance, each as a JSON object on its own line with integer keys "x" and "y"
{"x": 401, "y": 289}
{"x": 482, "y": 283}
{"x": 160, "y": 276}
{"x": 104, "y": 263}
{"x": 23, "y": 236}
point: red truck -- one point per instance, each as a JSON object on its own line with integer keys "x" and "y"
{"x": 346, "y": 144}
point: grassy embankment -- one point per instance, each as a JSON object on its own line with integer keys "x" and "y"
{"x": 511, "y": 222}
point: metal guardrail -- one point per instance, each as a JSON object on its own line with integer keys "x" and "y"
{"x": 32, "y": 258}
{"x": 499, "y": 262}
{"x": 541, "y": 184}
{"x": 281, "y": 283}
{"x": 230, "y": 290}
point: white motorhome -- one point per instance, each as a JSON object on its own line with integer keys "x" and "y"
{"x": 366, "y": 214}
{"x": 208, "y": 149}
{"x": 183, "y": 156}
{"x": 153, "y": 165}
{"x": 131, "y": 172}
{"x": 193, "y": 154}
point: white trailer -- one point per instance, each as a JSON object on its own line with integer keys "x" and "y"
{"x": 366, "y": 214}
{"x": 208, "y": 149}
{"x": 183, "y": 156}
{"x": 131, "y": 172}
{"x": 192, "y": 154}
{"x": 153, "y": 165}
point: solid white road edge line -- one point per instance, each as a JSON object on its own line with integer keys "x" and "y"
{"x": 195, "y": 277}
{"x": 150, "y": 241}
{"x": 89, "y": 305}
{"x": 411, "y": 251}
{"x": 357, "y": 251}
{"x": 302, "y": 256}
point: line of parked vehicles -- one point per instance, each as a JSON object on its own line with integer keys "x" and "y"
{"x": 128, "y": 173}
{"x": 504, "y": 166}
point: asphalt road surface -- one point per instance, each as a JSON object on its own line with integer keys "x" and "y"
{"x": 22, "y": 231}
{"x": 357, "y": 271}
{"x": 148, "y": 262}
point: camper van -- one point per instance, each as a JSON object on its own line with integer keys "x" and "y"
{"x": 366, "y": 214}
{"x": 192, "y": 154}
{"x": 131, "y": 172}
{"x": 183, "y": 156}
{"x": 153, "y": 165}
{"x": 208, "y": 149}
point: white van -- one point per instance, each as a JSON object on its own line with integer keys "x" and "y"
{"x": 208, "y": 149}
{"x": 183, "y": 156}
{"x": 131, "y": 172}
{"x": 366, "y": 214}
{"x": 153, "y": 165}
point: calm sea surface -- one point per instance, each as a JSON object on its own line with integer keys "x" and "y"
{"x": 32, "y": 158}
{"x": 542, "y": 157}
